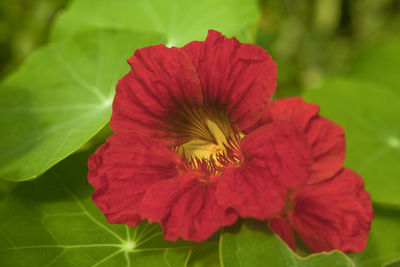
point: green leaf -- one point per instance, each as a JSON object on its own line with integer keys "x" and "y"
{"x": 380, "y": 64}
{"x": 384, "y": 240}
{"x": 395, "y": 263}
{"x": 52, "y": 221}
{"x": 60, "y": 97}
{"x": 181, "y": 21}
{"x": 370, "y": 115}
{"x": 205, "y": 254}
{"x": 254, "y": 245}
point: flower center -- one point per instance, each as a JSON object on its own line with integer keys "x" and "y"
{"x": 208, "y": 142}
{"x": 205, "y": 123}
{"x": 206, "y": 148}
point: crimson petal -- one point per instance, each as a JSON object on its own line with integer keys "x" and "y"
{"x": 186, "y": 207}
{"x": 276, "y": 157}
{"x": 239, "y": 77}
{"x": 335, "y": 214}
{"x": 326, "y": 138}
{"x": 123, "y": 169}
{"x": 162, "y": 83}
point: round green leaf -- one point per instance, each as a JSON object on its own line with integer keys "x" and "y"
{"x": 254, "y": 245}
{"x": 205, "y": 254}
{"x": 394, "y": 263}
{"x": 380, "y": 64}
{"x": 370, "y": 115}
{"x": 60, "y": 97}
{"x": 52, "y": 221}
{"x": 181, "y": 21}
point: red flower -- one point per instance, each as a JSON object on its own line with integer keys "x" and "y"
{"x": 334, "y": 214}
{"x": 196, "y": 145}
{"x": 179, "y": 156}
{"x": 332, "y": 211}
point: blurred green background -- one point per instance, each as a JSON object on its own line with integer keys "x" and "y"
{"x": 343, "y": 55}
{"x": 310, "y": 40}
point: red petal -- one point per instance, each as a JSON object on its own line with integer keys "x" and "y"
{"x": 335, "y": 214}
{"x": 123, "y": 169}
{"x": 239, "y": 77}
{"x": 326, "y": 138}
{"x": 293, "y": 109}
{"x": 282, "y": 228}
{"x": 186, "y": 208}
{"x": 276, "y": 157}
{"x": 328, "y": 147}
{"x": 162, "y": 83}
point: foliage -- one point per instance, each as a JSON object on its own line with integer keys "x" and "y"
{"x": 52, "y": 221}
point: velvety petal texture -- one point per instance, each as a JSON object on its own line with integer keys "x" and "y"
{"x": 186, "y": 207}
{"x": 334, "y": 214}
{"x": 162, "y": 85}
{"x": 326, "y": 138}
{"x": 275, "y": 158}
{"x": 328, "y": 146}
{"x": 239, "y": 77}
{"x": 122, "y": 170}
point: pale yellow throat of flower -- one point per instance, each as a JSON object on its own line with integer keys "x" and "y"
{"x": 203, "y": 149}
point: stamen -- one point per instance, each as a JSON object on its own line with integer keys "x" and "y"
{"x": 232, "y": 153}
{"x": 206, "y": 142}
{"x": 218, "y": 160}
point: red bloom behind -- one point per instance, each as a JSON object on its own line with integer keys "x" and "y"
{"x": 325, "y": 138}
{"x": 332, "y": 211}
{"x": 335, "y": 214}
{"x": 178, "y": 117}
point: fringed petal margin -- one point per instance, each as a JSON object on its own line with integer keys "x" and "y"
{"x": 326, "y": 138}
{"x": 162, "y": 85}
{"x": 238, "y": 77}
{"x": 186, "y": 207}
{"x": 334, "y": 214}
